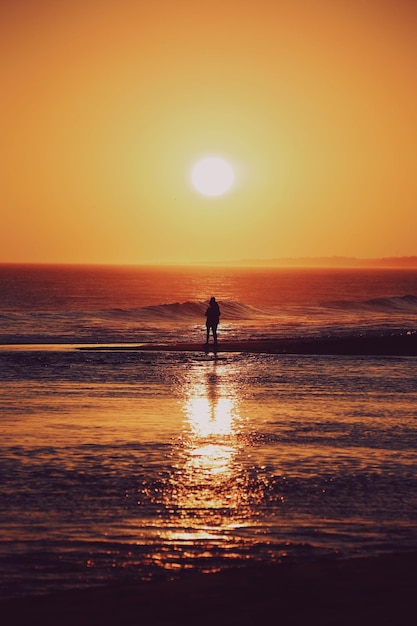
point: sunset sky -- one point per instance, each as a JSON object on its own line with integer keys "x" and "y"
{"x": 107, "y": 105}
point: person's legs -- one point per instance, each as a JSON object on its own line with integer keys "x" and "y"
{"x": 208, "y": 333}
{"x": 214, "y": 327}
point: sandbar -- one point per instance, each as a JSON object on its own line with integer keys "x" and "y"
{"x": 402, "y": 344}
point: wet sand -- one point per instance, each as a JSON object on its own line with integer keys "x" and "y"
{"x": 388, "y": 345}
{"x": 358, "y": 591}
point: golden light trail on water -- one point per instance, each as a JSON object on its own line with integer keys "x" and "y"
{"x": 210, "y": 484}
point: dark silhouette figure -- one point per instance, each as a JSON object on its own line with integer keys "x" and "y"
{"x": 212, "y": 321}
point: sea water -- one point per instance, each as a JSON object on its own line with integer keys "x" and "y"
{"x": 131, "y": 465}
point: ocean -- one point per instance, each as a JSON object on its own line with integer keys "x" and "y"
{"x": 138, "y": 464}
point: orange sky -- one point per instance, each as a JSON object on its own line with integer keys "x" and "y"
{"x": 107, "y": 104}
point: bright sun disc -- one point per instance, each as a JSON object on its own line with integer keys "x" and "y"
{"x": 212, "y": 176}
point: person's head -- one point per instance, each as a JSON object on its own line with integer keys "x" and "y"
{"x": 212, "y": 299}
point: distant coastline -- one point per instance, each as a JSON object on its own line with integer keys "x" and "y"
{"x": 332, "y": 261}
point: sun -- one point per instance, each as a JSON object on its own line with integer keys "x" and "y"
{"x": 212, "y": 176}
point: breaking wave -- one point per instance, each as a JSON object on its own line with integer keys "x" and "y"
{"x": 229, "y": 310}
{"x": 187, "y": 311}
{"x": 117, "y": 324}
{"x": 162, "y": 322}
{"x": 405, "y": 304}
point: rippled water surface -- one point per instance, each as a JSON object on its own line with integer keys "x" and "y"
{"x": 137, "y": 464}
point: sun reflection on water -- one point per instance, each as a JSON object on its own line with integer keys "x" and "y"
{"x": 209, "y": 486}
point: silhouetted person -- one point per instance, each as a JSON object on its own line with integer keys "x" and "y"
{"x": 212, "y": 321}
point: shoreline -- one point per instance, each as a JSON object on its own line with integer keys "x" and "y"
{"x": 351, "y": 345}
{"x": 357, "y": 590}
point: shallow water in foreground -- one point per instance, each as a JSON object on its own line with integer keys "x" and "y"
{"x": 137, "y": 465}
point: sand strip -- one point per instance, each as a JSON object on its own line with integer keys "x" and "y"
{"x": 388, "y": 345}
